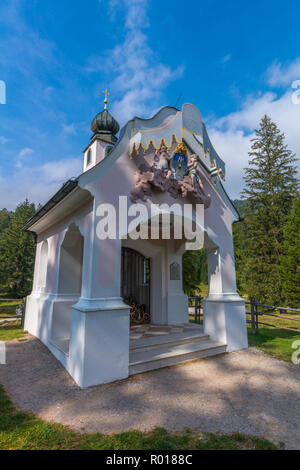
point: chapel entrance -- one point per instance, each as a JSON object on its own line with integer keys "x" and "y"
{"x": 135, "y": 284}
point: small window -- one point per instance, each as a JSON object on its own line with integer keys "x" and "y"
{"x": 89, "y": 157}
{"x": 107, "y": 150}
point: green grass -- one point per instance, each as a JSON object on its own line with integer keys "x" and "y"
{"x": 10, "y": 303}
{"x": 274, "y": 341}
{"x": 12, "y": 331}
{"x": 25, "y": 431}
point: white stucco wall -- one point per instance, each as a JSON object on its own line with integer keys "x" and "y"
{"x": 98, "y": 347}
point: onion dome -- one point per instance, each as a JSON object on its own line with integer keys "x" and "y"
{"x": 104, "y": 126}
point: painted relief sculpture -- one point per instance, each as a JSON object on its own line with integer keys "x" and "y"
{"x": 178, "y": 163}
{"x": 178, "y": 175}
{"x": 161, "y": 159}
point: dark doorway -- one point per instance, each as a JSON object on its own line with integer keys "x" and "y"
{"x": 135, "y": 284}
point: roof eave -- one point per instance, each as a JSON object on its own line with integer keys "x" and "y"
{"x": 66, "y": 189}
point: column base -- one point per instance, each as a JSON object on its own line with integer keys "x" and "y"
{"x": 99, "y": 341}
{"x": 225, "y": 320}
{"x": 178, "y": 309}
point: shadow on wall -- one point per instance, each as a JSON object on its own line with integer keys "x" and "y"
{"x": 69, "y": 284}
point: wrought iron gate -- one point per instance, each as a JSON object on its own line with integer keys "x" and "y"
{"x": 135, "y": 284}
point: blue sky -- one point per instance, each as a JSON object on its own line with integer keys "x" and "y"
{"x": 234, "y": 60}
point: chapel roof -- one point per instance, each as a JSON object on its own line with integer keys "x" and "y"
{"x": 168, "y": 122}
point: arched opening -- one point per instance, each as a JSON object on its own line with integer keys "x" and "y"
{"x": 69, "y": 286}
{"x": 89, "y": 157}
{"x": 70, "y": 264}
{"x": 43, "y": 263}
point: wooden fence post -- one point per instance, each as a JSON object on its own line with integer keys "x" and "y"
{"x": 256, "y": 316}
{"x": 196, "y": 309}
{"x": 252, "y": 306}
{"x": 197, "y": 313}
{"x": 23, "y": 311}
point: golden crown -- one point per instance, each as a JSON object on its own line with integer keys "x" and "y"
{"x": 181, "y": 148}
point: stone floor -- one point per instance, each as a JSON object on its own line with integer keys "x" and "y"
{"x": 150, "y": 331}
{"x": 245, "y": 391}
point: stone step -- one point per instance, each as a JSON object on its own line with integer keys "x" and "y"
{"x": 146, "y": 344}
{"x": 142, "y": 361}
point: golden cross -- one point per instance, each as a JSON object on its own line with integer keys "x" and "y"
{"x": 106, "y": 100}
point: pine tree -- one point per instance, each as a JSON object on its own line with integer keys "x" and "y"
{"x": 4, "y": 219}
{"x": 270, "y": 188}
{"x": 290, "y": 259}
{"x": 194, "y": 268}
{"x": 17, "y": 250}
{"x": 190, "y": 268}
{"x": 240, "y": 238}
{"x": 202, "y": 266}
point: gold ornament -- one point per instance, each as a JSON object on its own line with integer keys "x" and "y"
{"x": 181, "y": 148}
{"x": 106, "y": 100}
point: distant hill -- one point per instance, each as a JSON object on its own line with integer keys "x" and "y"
{"x": 240, "y": 205}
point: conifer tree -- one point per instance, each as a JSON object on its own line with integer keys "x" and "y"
{"x": 194, "y": 268}
{"x": 290, "y": 259}
{"x": 270, "y": 187}
{"x": 4, "y": 219}
{"x": 17, "y": 250}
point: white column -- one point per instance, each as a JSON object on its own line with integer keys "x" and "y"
{"x": 177, "y": 301}
{"x": 224, "y": 309}
{"x": 99, "y": 343}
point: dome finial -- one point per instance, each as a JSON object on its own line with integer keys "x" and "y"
{"x": 105, "y": 100}
{"x": 104, "y": 126}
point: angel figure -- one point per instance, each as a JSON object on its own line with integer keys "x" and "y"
{"x": 162, "y": 158}
{"x": 194, "y": 170}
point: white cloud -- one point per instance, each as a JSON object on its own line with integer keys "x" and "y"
{"x": 69, "y": 129}
{"x": 233, "y": 147}
{"x": 226, "y": 59}
{"x": 37, "y": 184}
{"x": 140, "y": 77}
{"x": 231, "y": 134}
{"x": 279, "y": 74}
{"x": 60, "y": 171}
{"x": 25, "y": 152}
{"x": 3, "y": 140}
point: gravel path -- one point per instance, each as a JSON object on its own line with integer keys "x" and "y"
{"x": 245, "y": 391}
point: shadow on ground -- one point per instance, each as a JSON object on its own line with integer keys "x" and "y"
{"x": 246, "y": 391}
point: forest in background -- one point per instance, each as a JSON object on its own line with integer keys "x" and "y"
{"x": 266, "y": 239}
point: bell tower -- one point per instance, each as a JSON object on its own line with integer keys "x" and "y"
{"x": 104, "y": 128}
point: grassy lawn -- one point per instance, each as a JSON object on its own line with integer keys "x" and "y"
{"x": 25, "y": 431}
{"x": 274, "y": 341}
{"x": 13, "y": 331}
